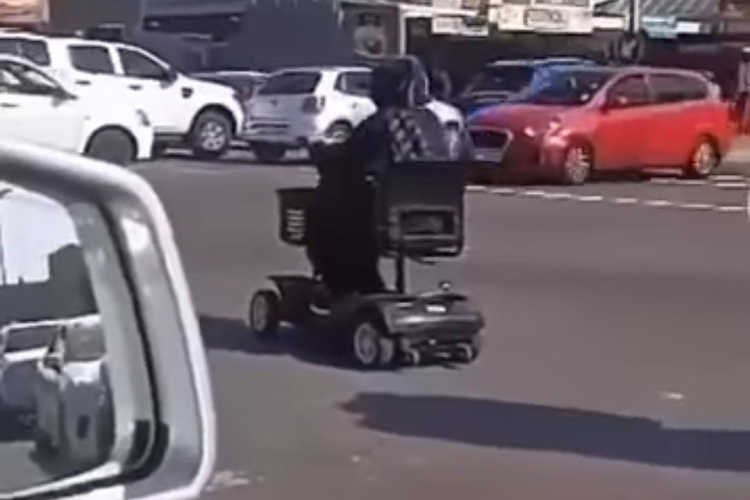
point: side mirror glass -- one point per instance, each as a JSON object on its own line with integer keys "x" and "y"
{"x": 136, "y": 401}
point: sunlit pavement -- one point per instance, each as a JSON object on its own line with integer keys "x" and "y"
{"x": 616, "y": 365}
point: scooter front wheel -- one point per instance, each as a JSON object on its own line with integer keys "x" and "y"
{"x": 263, "y": 314}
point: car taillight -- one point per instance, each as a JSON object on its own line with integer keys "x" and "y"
{"x": 313, "y": 104}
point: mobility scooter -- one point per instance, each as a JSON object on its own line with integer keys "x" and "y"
{"x": 419, "y": 216}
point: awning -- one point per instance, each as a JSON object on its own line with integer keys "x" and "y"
{"x": 195, "y": 7}
{"x": 679, "y": 9}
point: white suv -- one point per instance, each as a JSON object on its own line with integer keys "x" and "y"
{"x": 300, "y": 106}
{"x": 36, "y": 108}
{"x": 183, "y": 110}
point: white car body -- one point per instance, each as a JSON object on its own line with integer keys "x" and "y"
{"x": 73, "y": 400}
{"x": 281, "y": 119}
{"x": 66, "y": 123}
{"x": 125, "y": 72}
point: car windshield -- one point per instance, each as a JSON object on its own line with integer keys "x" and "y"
{"x": 291, "y": 83}
{"x": 501, "y": 79}
{"x": 568, "y": 88}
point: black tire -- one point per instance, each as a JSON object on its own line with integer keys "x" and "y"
{"x": 704, "y": 159}
{"x": 263, "y": 314}
{"x": 159, "y": 150}
{"x": 470, "y": 351}
{"x": 340, "y": 132}
{"x": 578, "y": 164}
{"x": 113, "y": 146}
{"x": 269, "y": 153}
{"x": 369, "y": 347}
{"x": 211, "y": 135}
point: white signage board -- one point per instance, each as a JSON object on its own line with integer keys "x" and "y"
{"x": 545, "y": 18}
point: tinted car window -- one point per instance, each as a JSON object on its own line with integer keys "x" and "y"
{"x": 569, "y": 88}
{"x": 91, "y": 59}
{"x": 502, "y": 79}
{"x": 22, "y": 79}
{"x": 677, "y": 88}
{"x": 354, "y": 83}
{"x": 630, "y": 91}
{"x": 138, "y": 65}
{"x": 291, "y": 83}
{"x": 34, "y": 50}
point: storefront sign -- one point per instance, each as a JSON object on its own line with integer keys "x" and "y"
{"x": 16, "y": 12}
{"x": 566, "y": 16}
{"x": 660, "y": 27}
{"x": 459, "y": 26}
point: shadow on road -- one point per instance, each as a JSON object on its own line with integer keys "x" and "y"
{"x": 227, "y": 334}
{"x": 15, "y": 426}
{"x": 504, "y": 425}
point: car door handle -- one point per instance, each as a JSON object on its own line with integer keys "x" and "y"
{"x": 83, "y": 82}
{"x": 135, "y": 87}
{"x": 8, "y": 105}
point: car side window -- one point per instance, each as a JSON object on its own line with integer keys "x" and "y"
{"x": 629, "y": 92}
{"x": 22, "y": 79}
{"x": 677, "y": 88}
{"x": 354, "y": 83}
{"x": 91, "y": 59}
{"x": 138, "y": 65}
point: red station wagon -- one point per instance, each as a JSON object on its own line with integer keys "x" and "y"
{"x": 587, "y": 119}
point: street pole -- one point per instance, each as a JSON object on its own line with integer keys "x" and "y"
{"x": 635, "y": 16}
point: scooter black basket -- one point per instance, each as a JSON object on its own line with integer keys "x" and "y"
{"x": 294, "y": 209}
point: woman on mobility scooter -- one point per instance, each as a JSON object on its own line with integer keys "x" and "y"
{"x": 362, "y": 183}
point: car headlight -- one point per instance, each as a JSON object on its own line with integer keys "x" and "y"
{"x": 551, "y": 127}
{"x": 143, "y": 118}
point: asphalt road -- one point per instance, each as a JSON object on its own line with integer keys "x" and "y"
{"x": 616, "y": 365}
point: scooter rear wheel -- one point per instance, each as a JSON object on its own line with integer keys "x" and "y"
{"x": 370, "y": 348}
{"x": 263, "y": 314}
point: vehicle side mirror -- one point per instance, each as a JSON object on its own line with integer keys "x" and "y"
{"x": 53, "y": 361}
{"x": 107, "y": 269}
{"x": 62, "y": 94}
{"x": 615, "y": 102}
{"x": 170, "y": 76}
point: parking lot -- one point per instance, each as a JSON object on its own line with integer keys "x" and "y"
{"x": 615, "y": 366}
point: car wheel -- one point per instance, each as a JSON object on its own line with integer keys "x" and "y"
{"x": 703, "y": 160}
{"x": 211, "y": 135}
{"x": 578, "y": 164}
{"x": 339, "y": 132}
{"x": 369, "y": 346}
{"x": 269, "y": 153}
{"x": 263, "y": 314}
{"x": 113, "y": 146}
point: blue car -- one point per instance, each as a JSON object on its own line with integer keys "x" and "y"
{"x": 509, "y": 81}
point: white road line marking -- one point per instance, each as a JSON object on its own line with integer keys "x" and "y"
{"x": 727, "y": 178}
{"x": 657, "y": 203}
{"x": 731, "y": 185}
{"x": 672, "y": 181}
{"x": 590, "y": 198}
{"x": 503, "y": 191}
{"x": 533, "y": 193}
{"x": 671, "y": 396}
{"x": 730, "y": 208}
{"x": 625, "y": 201}
{"x": 558, "y": 196}
{"x": 696, "y": 206}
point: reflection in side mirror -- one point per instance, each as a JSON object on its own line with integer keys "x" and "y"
{"x": 83, "y": 418}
